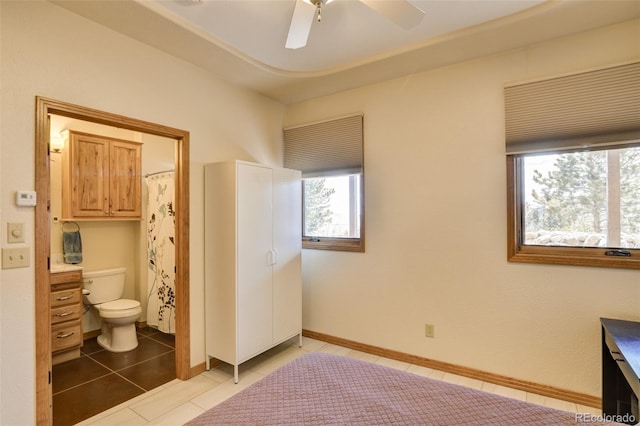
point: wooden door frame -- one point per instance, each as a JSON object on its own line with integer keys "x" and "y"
{"x": 44, "y": 108}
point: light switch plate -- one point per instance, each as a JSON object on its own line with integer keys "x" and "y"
{"x": 15, "y": 232}
{"x": 15, "y": 257}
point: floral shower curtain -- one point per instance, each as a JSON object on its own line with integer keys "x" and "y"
{"x": 161, "y": 300}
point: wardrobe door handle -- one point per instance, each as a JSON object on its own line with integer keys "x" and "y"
{"x": 272, "y": 257}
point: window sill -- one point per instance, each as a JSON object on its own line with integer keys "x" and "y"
{"x": 335, "y": 244}
{"x": 574, "y": 256}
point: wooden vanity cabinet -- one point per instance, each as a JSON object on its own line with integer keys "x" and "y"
{"x": 101, "y": 178}
{"x": 66, "y": 315}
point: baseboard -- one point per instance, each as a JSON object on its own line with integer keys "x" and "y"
{"x": 550, "y": 391}
{"x": 91, "y": 334}
{"x": 197, "y": 369}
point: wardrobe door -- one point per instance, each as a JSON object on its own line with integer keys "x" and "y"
{"x": 287, "y": 241}
{"x": 254, "y": 245}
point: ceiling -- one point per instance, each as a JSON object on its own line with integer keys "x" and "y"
{"x": 242, "y": 41}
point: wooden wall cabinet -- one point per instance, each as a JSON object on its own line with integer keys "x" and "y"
{"x": 253, "y": 280}
{"x": 101, "y": 178}
{"x": 66, "y": 315}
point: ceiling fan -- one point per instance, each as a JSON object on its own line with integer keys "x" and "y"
{"x": 400, "y": 12}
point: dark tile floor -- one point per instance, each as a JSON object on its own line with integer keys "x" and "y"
{"x": 100, "y": 379}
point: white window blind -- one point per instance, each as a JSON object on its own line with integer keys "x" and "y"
{"x": 325, "y": 148}
{"x": 590, "y": 109}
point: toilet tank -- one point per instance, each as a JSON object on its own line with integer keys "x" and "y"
{"x": 104, "y": 285}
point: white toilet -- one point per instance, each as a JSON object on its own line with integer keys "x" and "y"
{"x": 102, "y": 290}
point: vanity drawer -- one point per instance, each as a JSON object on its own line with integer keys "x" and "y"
{"x": 66, "y": 313}
{"x": 71, "y": 277}
{"x": 65, "y": 336}
{"x": 66, "y": 297}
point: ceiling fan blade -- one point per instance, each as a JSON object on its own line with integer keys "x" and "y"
{"x": 401, "y": 12}
{"x": 301, "y": 22}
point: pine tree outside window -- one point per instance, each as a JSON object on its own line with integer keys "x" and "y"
{"x": 582, "y": 199}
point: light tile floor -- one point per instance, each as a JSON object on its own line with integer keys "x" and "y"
{"x": 178, "y": 401}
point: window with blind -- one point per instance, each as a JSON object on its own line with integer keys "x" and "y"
{"x": 573, "y": 169}
{"x": 330, "y": 156}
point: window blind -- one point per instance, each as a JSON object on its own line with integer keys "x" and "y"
{"x": 325, "y": 148}
{"x": 590, "y": 109}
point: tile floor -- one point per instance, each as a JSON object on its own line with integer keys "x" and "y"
{"x": 100, "y": 380}
{"x": 177, "y": 402}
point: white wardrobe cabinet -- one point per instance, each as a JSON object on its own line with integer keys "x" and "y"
{"x": 253, "y": 282}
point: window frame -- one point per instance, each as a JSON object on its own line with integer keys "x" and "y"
{"x": 555, "y": 255}
{"x": 334, "y": 243}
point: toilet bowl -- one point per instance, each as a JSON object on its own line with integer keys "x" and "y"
{"x": 104, "y": 287}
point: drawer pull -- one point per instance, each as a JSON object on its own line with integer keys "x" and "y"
{"x": 61, "y": 298}
{"x": 64, "y": 314}
{"x": 620, "y": 360}
{"x": 64, "y": 336}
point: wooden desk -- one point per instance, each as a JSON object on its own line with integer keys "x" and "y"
{"x": 620, "y": 369}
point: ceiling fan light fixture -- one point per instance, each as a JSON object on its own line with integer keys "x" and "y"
{"x": 318, "y": 4}
{"x": 401, "y": 12}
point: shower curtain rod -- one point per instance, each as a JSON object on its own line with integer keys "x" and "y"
{"x": 157, "y": 173}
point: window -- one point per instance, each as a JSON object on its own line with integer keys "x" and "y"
{"x": 332, "y": 207}
{"x": 329, "y": 154}
{"x": 573, "y": 169}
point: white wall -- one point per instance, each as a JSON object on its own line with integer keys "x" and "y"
{"x": 435, "y": 197}
{"x": 50, "y": 52}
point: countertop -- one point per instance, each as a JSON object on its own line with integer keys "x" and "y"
{"x": 64, "y": 267}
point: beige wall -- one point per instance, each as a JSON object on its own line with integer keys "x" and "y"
{"x": 436, "y": 228}
{"x": 50, "y": 52}
{"x": 435, "y": 183}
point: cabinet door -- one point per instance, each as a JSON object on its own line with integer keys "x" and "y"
{"x": 254, "y": 243}
{"x": 87, "y": 177}
{"x": 125, "y": 179}
{"x": 287, "y": 236}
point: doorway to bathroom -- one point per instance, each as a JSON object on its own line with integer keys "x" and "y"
{"x": 46, "y": 109}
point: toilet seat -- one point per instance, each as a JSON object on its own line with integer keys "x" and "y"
{"x": 119, "y": 308}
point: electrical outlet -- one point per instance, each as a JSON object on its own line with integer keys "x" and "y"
{"x": 429, "y": 330}
{"x": 15, "y": 257}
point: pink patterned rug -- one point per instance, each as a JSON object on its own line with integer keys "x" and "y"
{"x": 323, "y": 389}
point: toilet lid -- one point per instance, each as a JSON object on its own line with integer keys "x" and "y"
{"x": 120, "y": 304}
